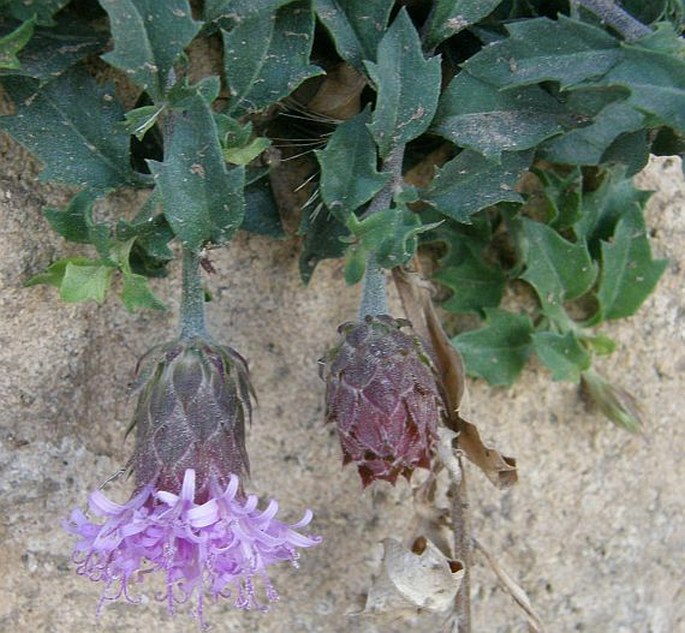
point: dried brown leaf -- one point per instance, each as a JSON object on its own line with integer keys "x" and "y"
{"x": 416, "y": 300}
{"x": 339, "y": 94}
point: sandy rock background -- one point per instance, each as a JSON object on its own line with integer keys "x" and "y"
{"x": 593, "y": 532}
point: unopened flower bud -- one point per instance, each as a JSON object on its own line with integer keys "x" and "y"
{"x": 614, "y": 402}
{"x": 383, "y": 396}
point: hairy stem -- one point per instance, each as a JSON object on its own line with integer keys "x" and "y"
{"x": 374, "y": 299}
{"x": 609, "y": 12}
{"x": 192, "y": 297}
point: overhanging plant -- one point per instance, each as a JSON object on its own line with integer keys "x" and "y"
{"x": 487, "y": 145}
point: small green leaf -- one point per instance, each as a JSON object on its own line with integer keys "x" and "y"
{"x": 85, "y": 282}
{"x": 12, "y": 43}
{"x": 356, "y": 27}
{"x": 148, "y": 37}
{"x": 475, "y": 284}
{"x": 391, "y": 234}
{"x": 559, "y": 270}
{"x": 408, "y": 86}
{"x": 498, "y": 351}
{"x": 537, "y": 50}
{"x": 562, "y": 354}
{"x": 140, "y": 120}
{"x": 471, "y": 182}
{"x": 349, "y": 177}
{"x": 355, "y": 264}
{"x": 475, "y": 114}
{"x": 629, "y": 274}
{"x": 71, "y": 125}
{"x": 604, "y": 207}
{"x": 247, "y": 153}
{"x": 267, "y": 57}
{"x": 599, "y": 344}
{"x": 54, "y": 274}
{"x": 136, "y": 294}
{"x": 203, "y": 202}
{"x": 564, "y": 196}
{"x": 261, "y": 212}
{"x": 449, "y": 17}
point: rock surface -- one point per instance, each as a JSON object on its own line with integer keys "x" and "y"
{"x": 593, "y": 532}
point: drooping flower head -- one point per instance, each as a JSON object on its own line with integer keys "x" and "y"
{"x": 383, "y": 396}
{"x": 189, "y": 517}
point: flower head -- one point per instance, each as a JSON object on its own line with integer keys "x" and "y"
{"x": 383, "y": 396}
{"x": 189, "y": 517}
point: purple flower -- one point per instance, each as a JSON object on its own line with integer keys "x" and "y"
{"x": 219, "y": 548}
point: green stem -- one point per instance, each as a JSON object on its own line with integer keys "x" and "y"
{"x": 192, "y": 298}
{"x": 374, "y": 296}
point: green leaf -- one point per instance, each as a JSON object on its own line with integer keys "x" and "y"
{"x": 142, "y": 119}
{"x": 449, "y": 17}
{"x": 356, "y": 27}
{"x": 563, "y": 194}
{"x": 391, "y": 234}
{"x": 407, "y": 84}
{"x": 629, "y": 274}
{"x": 655, "y": 78}
{"x": 53, "y": 50}
{"x": 261, "y": 212}
{"x": 323, "y": 239}
{"x": 563, "y": 354}
{"x": 136, "y": 294}
{"x": 587, "y": 145}
{"x": 12, "y": 43}
{"x": 203, "y": 202}
{"x": 474, "y": 114}
{"x": 266, "y": 58}
{"x": 604, "y": 207}
{"x": 71, "y": 125}
{"x": 537, "y": 50}
{"x": 246, "y": 154}
{"x": 559, "y": 270}
{"x": 75, "y": 223}
{"x": 54, "y": 274}
{"x": 230, "y": 12}
{"x": 471, "y": 182}
{"x": 475, "y": 283}
{"x": 498, "y": 351}
{"x": 85, "y": 282}
{"x": 349, "y": 177}
{"x": 148, "y": 37}
{"x": 40, "y": 10}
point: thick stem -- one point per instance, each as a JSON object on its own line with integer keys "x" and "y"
{"x": 192, "y": 297}
{"x": 374, "y": 299}
{"x": 617, "y": 18}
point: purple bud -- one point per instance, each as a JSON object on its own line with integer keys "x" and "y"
{"x": 383, "y": 395}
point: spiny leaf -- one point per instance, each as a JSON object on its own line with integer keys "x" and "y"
{"x": 266, "y": 58}
{"x": 562, "y": 50}
{"x": 202, "y": 201}
{"x": 564, "y": 196}
{"x": 498, "y": 351}
{"x": 323, "y": 239}
{"x": 148, "y": 37}
{"x": 471, "y": 182}
{"x": 54, "y": 274}
{"x": 349, "y": 177}
{"x": 449, "y": 17}
{"x": 563, "y": 354}
{"x": 474, "y": 114}
{"x": 629, "y": 274}
{"x": 408, "y": 86}
{"x": 559, "y": 270}
{"x": 13, "y": 42}
{"x": 70, "y": 124}
{"x": 356, "y": 27}
{"x": 136, "y": 294}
